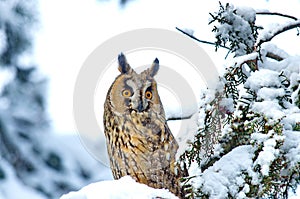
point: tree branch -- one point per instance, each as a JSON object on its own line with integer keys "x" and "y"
{"x": 289, "y": 26}
{"x": 180, "y": 118}
{"x": 201, "y": 41}
{"x": 269, "y": 54}
{"x": 277, "y": 14}
{"x": 274, "y": 56}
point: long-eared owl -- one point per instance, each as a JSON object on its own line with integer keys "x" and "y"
{"x": 139, "y": 141}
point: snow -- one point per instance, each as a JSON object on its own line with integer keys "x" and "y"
{"x": 267, "y": 84}
{"x": 189, "y": 31}
{"x": 295, "y": 195}
{"x": 242, "y": 59}
{"x": 270, "y": 47}
{"x": 273, "y": 29}
{"x": 270, "y": 108}
{"x": 227, "y": 105}
{"x": 270, "y": 93}
{"x": 267, "y": 155}
{"x": 235, "y": 28}
{"x": 263, "y": 78}
{"x": 124, "y": 188}
{"x": 225, "y": 175}
{"x": 292, "y": 146}
{"x": 292, "y": 64}
{"x": 247, "y": 13}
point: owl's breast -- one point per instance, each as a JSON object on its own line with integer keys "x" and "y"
{"x": 147, "y": 123}
{"x": 142, "y": 146}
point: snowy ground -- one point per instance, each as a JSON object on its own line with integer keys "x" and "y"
{"x": 123, "y": 188}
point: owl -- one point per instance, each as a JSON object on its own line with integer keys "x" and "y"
{"x": 139, "y": 141}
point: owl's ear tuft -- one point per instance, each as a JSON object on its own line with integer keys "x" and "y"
{"x": 154, "y": 68}
{"x": 124, "y": 67}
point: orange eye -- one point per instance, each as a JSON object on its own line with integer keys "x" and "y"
{"x": 126, "y": 93}
{"x": 148, "y": 94}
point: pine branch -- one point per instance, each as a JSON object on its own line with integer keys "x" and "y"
{"x": 277, "y": 14}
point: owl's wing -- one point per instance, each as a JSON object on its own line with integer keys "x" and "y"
{"x": 170, "y": 138}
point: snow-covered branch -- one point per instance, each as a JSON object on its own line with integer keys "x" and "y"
{"x": 270, "y": 34}
{"x": 238, "y": 61}
{"x": 269, "y": 54}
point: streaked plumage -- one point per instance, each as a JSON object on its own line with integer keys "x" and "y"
{"x": 139, "y": 141}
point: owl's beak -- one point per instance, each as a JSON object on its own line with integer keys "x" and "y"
{"x": 140, "y": 107}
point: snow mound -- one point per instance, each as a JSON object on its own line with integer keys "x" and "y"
{"x": 123, "y": 188}
{"x": 226, "y": 174}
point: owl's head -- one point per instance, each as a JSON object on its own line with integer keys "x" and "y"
{"x": 134, "y": 92}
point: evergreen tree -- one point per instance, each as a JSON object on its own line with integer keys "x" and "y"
{"x": 36, "y": 157}
{"x": 248, "y": 145}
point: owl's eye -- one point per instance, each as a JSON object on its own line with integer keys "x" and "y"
{"x": 126, "y": 93}
{"x": 148, "y": 94}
